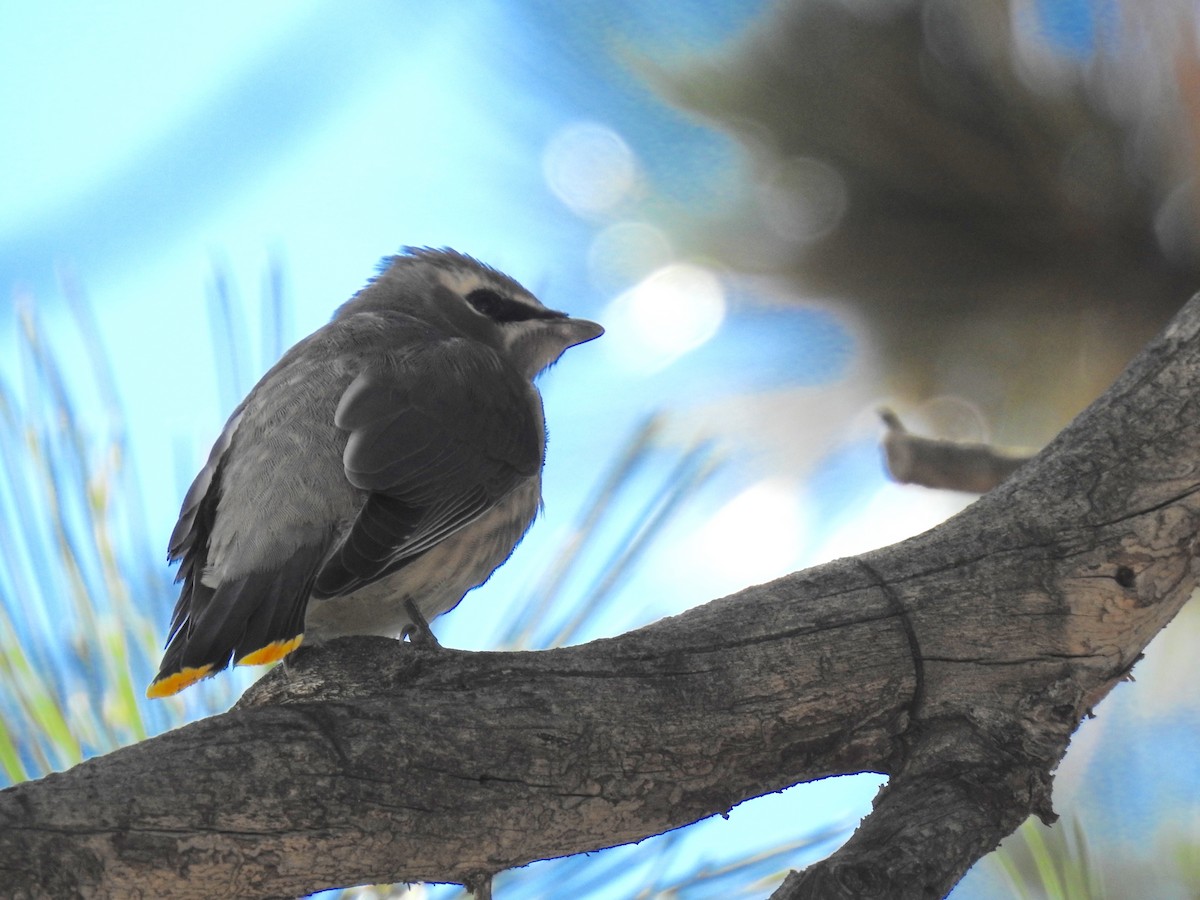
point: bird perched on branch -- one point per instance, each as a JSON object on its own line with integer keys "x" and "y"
{"x": 384, "y": 467}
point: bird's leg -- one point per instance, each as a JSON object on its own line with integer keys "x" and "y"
{"x": 418, "y": 632}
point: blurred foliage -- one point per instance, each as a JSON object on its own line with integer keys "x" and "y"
{"x": 77, "y": 592}
{"x": 83, "y": 600}
{"x": 1038, "y": 861}
{"x": 530, "y": 626}
{"x": 1000, "y": 194}
{"x": 1056, "y": 863}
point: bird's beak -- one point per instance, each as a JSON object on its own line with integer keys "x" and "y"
{"x": 580, "y": 331}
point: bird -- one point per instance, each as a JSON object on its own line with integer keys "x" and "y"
{"x": 384, "y": 467}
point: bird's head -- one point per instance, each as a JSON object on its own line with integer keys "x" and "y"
{"x": 455, "y": 293}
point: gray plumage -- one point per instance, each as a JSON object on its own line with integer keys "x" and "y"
{"x": 393, "y": 455}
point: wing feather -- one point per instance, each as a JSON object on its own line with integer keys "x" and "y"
{"x": 438, "y": 435}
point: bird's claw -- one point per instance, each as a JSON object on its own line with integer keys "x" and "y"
{"x": 419, "y": 633}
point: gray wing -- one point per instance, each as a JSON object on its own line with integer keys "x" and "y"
{"x": 248, "y": 615}
{"x": 237, "y": 618}
{"x": 438, "y": 436}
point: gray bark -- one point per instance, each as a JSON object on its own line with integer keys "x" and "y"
{"x": 959, "y": 662}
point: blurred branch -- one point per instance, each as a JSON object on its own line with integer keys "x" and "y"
{"x": 949, "y": 465}
{"x": 958, "y": 662}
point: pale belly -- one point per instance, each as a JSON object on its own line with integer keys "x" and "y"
{"x": 436, "y": 581}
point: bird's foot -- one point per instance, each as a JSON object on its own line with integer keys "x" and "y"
{"x": 418, "y": 633}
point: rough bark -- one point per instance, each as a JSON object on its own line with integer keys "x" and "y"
{"x": 959, "y": 662}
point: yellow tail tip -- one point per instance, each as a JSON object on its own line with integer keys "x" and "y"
{"x": 274, "y": 651}
{"x": 177, "y": 681}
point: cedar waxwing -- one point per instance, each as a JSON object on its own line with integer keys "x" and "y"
{"x": 384, "y": 467}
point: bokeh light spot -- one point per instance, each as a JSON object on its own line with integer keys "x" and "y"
{"x": 802, "y": 199}
{"x": 589, "y": 167}
{"x": 758, "y": 535}
{"x": 675, "y": 309}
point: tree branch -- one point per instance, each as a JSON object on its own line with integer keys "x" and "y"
{"x": 947, "y": 465}
{"x": 959, "y": 662}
